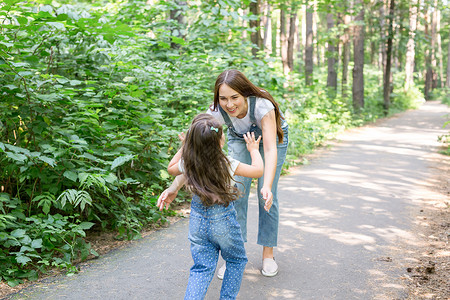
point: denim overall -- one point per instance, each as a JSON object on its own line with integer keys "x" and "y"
{"x": 237, "y": 148}
{"x": 214, "y": 228}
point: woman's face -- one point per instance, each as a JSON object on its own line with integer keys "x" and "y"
{"x": 232, "y": 102}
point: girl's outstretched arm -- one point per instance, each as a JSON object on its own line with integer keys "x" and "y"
{"x": 256, "y": 169}
{"x": 171, "y": 192}
{"x": 173, "y": 164}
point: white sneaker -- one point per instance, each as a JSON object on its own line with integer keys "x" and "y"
{"x": 270, "y": 267}
{"x": 221, "y": 271}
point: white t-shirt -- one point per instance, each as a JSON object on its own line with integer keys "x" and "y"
{"x": 233, "y": 166}
{"x": 262, "y": 107}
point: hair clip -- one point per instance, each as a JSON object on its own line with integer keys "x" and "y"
{"x": 215, "y": 129}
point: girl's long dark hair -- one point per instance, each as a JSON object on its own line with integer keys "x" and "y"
{"x": 238, "y": 82}
{"x": 207, "y": 169}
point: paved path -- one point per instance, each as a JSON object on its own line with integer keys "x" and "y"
{"x": 345, "y": 219}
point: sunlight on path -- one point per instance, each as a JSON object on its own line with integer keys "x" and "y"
{"x": 345, "y": 226}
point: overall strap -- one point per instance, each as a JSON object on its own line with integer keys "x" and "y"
{"x": 252, "y": 109}
{"x": 226, "y": 118}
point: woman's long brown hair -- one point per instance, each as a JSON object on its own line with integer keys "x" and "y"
{"x": 238, "y": 82}
{"x": 207, "y": 169}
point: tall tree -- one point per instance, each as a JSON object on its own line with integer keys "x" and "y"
{"x": 433, "y": 44}
{"x": 447, "y": 83}
{"x": 177, "y": 15}
{"x": 410, "y": 46}
{"x": 309, "y": 45}
{"x": 316, "y": 23}
{"x": 267, "y": 41}
{"x": 283, "y": 40}
{"x": 358, "y": 57}
{"x": 291, "y": 38}
{"x": 428, "y": 67}
{"x": 303, "y": 36}
{"x": 345, "y": 52}
{"x": 401, "y": 13}
{"x": 332, "y": 74}
{"x": 255, "y": 36}
{"x": 275, "y": 37}
{"x": 372, "y": 31}
{"x": 387, "y": 69}
{"x": 439, "y": 44}
{"x": 382, "y": 58}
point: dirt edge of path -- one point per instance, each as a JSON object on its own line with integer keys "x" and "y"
{"x": 429, "y": 276}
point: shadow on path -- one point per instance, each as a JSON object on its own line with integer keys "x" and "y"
{"x": 345, "y": 227}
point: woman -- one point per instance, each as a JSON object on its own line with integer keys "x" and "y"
{"x": 244, "y": 107}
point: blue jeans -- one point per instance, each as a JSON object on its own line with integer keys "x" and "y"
{"x": 268, "y": 221}
{"x": 212, "y": 229}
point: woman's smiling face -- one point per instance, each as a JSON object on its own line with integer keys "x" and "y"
{"x": 232, "y": 102}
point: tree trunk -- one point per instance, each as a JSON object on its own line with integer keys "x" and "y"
{"x": 309, "y": 46}
{"x": 387, "y": 75}
{"x": 439, "y": 46}
{"x": 283, "y": 40}
{"x": 177, "y": 14}
{"x": 298, "y": 41}
{"x": 291, "y": 38}
{"x": 316, "y": 31}
{"x": 399, "y": 29}
{"x": 345, "y": 54}
{"x": 382, "y": 58}
{"x": 373, "y": 42}
{"x": 358, "y": 58}
{"x": 267, "y": 41}
{"x": 429, "y": 70}
{"x": 410, "y": 46}
{"x": 447, "y": 83}
{"x": 332, "y": 74}
{"x": 244, "y": 13}
{"x": 254, "y": 24}
{"x": 303, "y": 54}
{"x": 275, "y": 36}
{"x": 433, "y": 45}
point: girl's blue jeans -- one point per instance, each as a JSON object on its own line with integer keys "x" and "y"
{"x": 212, "y": 229}
{"x": 268, "y": 221}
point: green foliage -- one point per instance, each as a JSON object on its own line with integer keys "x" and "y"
{"x": 29, "y": 245}
{"x": 92, "y": 97}
{"x": 403, "y": 100}
{"x": 445, "y": 98}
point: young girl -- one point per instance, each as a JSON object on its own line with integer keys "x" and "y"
{"x": 208, "y": 174}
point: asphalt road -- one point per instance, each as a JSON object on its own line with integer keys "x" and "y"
{"x": 345, "y": 227}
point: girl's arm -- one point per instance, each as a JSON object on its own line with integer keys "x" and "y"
{"x": 171, "y": 192}
{"x": 256, "y": 169}
{"x": 269, "y": 131}
{"x": 173, "y": 164}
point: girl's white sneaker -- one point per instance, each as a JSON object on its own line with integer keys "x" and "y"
{"x": 221, "y": 271}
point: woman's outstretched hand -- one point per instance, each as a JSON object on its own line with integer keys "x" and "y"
{"x": 268, "y": 198}
{"x": 252, "y": 144}
{"x": 181, "y": 136}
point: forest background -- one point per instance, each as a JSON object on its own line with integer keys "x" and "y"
{"x": 94, "y": 93}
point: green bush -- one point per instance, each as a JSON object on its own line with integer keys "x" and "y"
{"x": 92, "y": 97}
